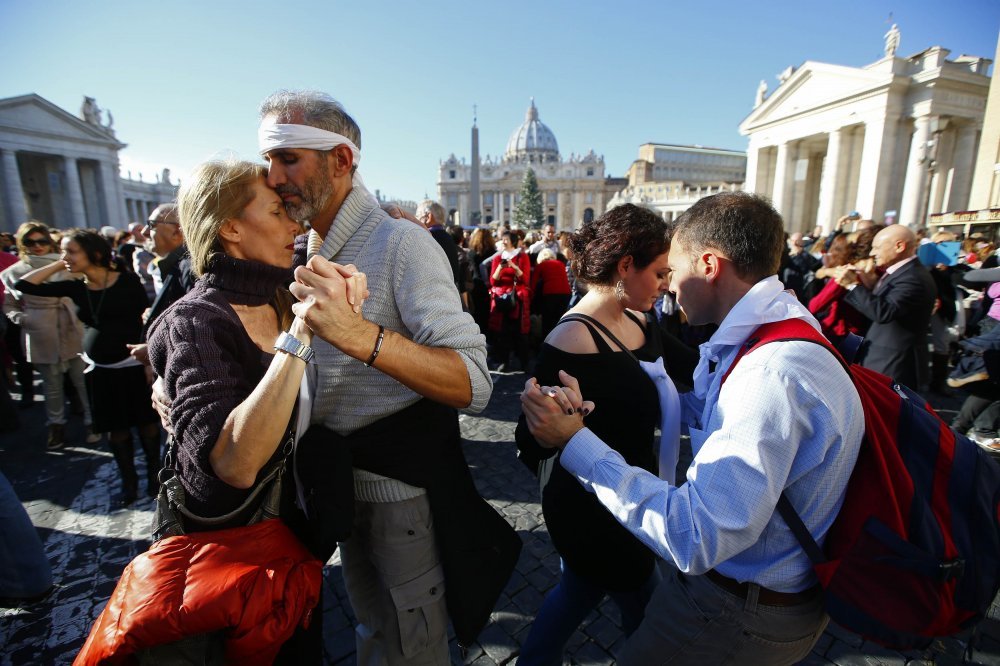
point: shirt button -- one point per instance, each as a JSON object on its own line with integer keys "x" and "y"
{"x": 434, "y": 590}
{"x": 410, "y": 532}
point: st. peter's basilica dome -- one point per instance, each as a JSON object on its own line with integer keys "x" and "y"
{"x": 532, "y": 141}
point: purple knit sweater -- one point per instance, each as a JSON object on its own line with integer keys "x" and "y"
{"x": 209, "y": 365}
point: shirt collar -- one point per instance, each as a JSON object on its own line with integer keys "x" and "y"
{"x": 766, "y": 301}
{"x": 899, "y": 264}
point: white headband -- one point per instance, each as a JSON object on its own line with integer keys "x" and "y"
{"x": 273, "y": 136}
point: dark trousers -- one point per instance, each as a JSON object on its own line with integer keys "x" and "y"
{"x": 973, "y": 406}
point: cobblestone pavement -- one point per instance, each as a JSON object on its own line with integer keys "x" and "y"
{"x": 69, "y": 496}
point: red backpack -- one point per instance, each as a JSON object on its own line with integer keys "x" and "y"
{"x": 914, "y": 553}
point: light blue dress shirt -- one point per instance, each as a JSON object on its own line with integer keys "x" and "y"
{"x": 788, "y": 419}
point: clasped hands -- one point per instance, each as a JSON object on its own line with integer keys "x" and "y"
{"x": 554, "y": 413}
{"x": 862, "y": 272}
{"x": 329, "y": 298}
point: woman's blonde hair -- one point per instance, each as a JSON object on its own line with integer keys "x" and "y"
{"x": 545, "y": 255}
{"x": 217, "y": 191}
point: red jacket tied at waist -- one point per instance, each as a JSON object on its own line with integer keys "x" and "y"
{"x": 257, "y": 583}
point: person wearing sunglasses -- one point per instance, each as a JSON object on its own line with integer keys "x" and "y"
{"x": 52, "y": 333}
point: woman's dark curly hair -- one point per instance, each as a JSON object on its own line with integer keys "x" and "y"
{"x": 623, "y": 231}
{"x": 861, "y": 247}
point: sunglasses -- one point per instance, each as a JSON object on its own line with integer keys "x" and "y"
{"x": 151, "y": 224}
{"x": 32, "y": 242}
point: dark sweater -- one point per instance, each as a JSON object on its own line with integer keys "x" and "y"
{"x": 209, "y": 366}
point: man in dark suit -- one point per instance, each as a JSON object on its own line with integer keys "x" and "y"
{"x": 431, "y": 215}
{"x": 898, "y": 296}
{"x": 171, "y": 270}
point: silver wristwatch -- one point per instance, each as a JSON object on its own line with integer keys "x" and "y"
{"x": 289, "y": 344}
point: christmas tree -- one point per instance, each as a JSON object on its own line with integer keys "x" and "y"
{"x": 528, "y": 212}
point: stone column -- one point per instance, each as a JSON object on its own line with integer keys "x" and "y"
{"x": 110, "y": 194}
{"x": 944, "y": 172}
{"x": 965, "y": 157}
{"x": 78, "y": 213}
{"x": 876, "y": 167}
{"x": 13, "y": 192}
{"x": 784, "y": 178}
{"x": 831, "y": 182}
{"x": 915, "y": 180}
{"x": 753, "y": 159}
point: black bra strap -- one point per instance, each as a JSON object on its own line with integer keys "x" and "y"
{"x": 602, "y": 345}
{"x": 591, "y": 322}
{"x": 638, "y": 322}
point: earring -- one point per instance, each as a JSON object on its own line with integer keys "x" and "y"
{"x": 620, "y": 291}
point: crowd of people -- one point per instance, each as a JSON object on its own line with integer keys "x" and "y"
{"x": 285, "y": 324}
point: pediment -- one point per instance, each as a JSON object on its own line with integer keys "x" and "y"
{"x": 813, "y": 86}
{"x": 34, "y": 115}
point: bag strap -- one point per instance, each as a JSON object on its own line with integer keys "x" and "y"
{"x": 786, "y": 331}
{"x": 264, "y": 484}
{"x": 588, "y": 320}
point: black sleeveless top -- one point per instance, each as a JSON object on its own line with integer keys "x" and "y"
{"x": 627, "y": 410}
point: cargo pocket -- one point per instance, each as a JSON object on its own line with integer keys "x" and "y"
{"x": 420, "y": 610}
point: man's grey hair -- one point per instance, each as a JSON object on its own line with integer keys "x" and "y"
{"x": 313, "y": 108}
{"x": 435, "y": 209}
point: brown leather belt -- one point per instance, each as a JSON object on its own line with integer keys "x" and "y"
{"x": 765, "y": 596}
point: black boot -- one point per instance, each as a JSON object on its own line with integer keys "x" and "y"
{"x": 154, "y": 461}
{"x": 124, "y": 453}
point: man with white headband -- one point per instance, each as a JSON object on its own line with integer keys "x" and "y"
{"x": 390, "y": 378}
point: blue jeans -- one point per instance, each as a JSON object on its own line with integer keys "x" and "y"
{"x": 567, "y": 605}
{"x": 24, "y": 568}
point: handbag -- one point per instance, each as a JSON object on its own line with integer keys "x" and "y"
{"x": 172, "y": 518}
{"x": 506, "y": 302}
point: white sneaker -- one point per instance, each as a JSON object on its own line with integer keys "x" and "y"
{"x": 991, "y": 444}
{"x": 93, "y": 437}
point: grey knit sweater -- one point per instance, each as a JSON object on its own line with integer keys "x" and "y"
{"x": 412, "y": 292}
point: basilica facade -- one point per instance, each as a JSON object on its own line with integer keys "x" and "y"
{"x": 894, "y": 140}
{"x": 573, "y": 189}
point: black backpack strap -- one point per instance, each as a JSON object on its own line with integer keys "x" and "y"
{"x": 593, "y": 323}
{"x": 800, "y": 530}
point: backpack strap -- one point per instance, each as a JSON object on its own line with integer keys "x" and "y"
{"x": 782, "y": 331}
{"x": 786, "y": 331}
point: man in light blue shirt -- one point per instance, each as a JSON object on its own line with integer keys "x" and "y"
{"x": 788, "y": 419}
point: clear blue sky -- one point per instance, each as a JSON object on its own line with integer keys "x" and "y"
{"x": 184, "y": 78}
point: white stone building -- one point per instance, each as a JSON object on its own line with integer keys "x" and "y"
{"x": 894, "y": 140}
{"x": 669, "y": 178}
{"x": 64, "y": 170}
{"x": 573, "y": 189}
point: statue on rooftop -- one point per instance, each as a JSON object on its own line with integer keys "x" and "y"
{"x": 761, "y": 94}
{"x": 891, "y": 41}
{"x": 90, "y": 112}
